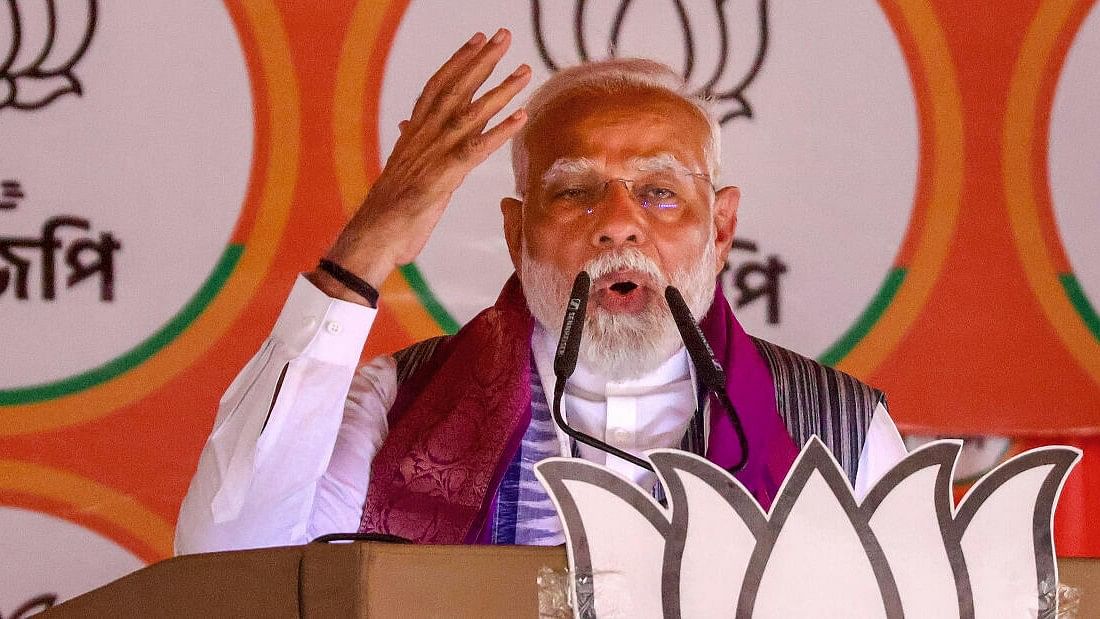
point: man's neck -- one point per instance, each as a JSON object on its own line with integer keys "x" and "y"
{"x": 653, "y": 410}
{"x": 587, "y": 381}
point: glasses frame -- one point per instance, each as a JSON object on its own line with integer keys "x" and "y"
{"x": 629, "y": 184}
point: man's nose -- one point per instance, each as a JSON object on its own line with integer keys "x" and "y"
{"x": 619, "y": 219}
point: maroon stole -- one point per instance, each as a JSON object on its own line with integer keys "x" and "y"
{"x": 454, "y": 426}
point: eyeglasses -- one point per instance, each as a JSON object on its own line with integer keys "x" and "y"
{"x": 662, "y": 193}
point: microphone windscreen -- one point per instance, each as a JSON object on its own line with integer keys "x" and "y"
{"x": 709, "y": 371}
{"x": 569, "y": 344}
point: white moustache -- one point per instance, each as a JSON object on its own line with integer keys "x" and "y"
{"x": 629, "y": 259}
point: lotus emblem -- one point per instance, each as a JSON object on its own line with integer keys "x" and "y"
{"x": 721, "y": 43}
{"x": 41, "y": 41}
{"x": 906, "y": 550}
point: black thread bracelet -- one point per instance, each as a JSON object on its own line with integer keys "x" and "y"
{"x": 351, "y": 280}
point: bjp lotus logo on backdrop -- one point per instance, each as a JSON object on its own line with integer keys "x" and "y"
{"x": 721, "y": 45}
{"x": 41, "y": 42}
{"x": 124, "y": 212}
{"x": 183, "y": 148}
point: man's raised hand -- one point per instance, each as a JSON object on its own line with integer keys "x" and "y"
{"x": 444, "y": 139}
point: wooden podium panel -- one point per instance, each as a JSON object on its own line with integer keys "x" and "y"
{"x": 1084, "y": 574}
{"x": 365, "y": 579}
{"x": 371, "y": 579}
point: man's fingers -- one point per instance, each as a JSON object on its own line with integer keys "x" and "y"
{"x": 446, "y": 73}
{"x": 451, "y": 96}
{"x": 473, "y": 119}
{"x": 476, "y": 149}
{"x": 461, "y": 90}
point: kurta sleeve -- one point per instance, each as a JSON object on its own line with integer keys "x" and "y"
{"x": 290, "y": 431}
{"x": 882, "y": 449}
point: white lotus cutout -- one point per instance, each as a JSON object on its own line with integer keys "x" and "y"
{"x": 905, "y": 551}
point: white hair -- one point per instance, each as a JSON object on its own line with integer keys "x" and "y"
{"x": 612, "y": 76}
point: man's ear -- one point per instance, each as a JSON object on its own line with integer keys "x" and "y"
{"x": 512, "y": 210}
{"x": 726, "y": 201}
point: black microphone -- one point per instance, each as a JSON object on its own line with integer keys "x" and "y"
{"x": 707, "y": 368}
{"x": 565, "y": 362}
{"x": 710, "y": 373}
{"x": 569, "y": 345}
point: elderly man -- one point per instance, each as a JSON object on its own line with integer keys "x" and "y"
{"x": 614, "y": 166}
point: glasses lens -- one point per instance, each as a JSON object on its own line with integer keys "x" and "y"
{"x": 574, "y": 190}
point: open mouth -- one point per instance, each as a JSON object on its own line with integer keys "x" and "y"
{"x": 623, "y": 288}
{"x": 626, "y": 291}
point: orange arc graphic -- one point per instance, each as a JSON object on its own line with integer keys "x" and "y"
{"x": 274, "y": 198}
{"x": 95, "y": 504}
{"x": 1030, "y": 97}
{"x": 355, "y": 127}
{"x": 940, "y": 93}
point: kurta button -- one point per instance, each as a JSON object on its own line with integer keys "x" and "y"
{"x": 332, "y": 327}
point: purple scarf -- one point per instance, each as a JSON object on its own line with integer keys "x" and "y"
{"x": 458, "y": 420}
{"x": 750, "y": 385}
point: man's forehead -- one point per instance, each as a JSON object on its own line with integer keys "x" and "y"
{"x": 613, "y": 127}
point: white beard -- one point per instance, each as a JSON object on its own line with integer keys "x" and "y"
{"x": 620, "y": 346}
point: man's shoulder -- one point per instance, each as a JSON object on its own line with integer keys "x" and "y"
{"x": 788, "y": 366}
{"x": 816, "y": 400}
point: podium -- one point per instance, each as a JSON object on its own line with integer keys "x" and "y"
{"x": 362, "y": 579}
{"x": 370, "y": 579}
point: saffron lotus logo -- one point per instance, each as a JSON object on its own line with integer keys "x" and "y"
{"x": 41, "y": 41}
{"x": 906, "y": 550}
{"x": 721, "y": 44}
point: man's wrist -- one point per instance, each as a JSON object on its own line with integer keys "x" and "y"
{"x": 349, "y": 272}
{"x": 350, "y": 280}
{"x": 332, "y": 287}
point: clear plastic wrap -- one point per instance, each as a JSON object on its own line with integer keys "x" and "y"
{"x": 557, "y": 600}
{"x": 1069, "y": 600}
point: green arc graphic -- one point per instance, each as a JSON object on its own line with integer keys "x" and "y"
{"x": 415, "y": 279}
{"x": 1081, "y": 303}
{"x": 140, "y": 353}
{"x": 867, "y": 319}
